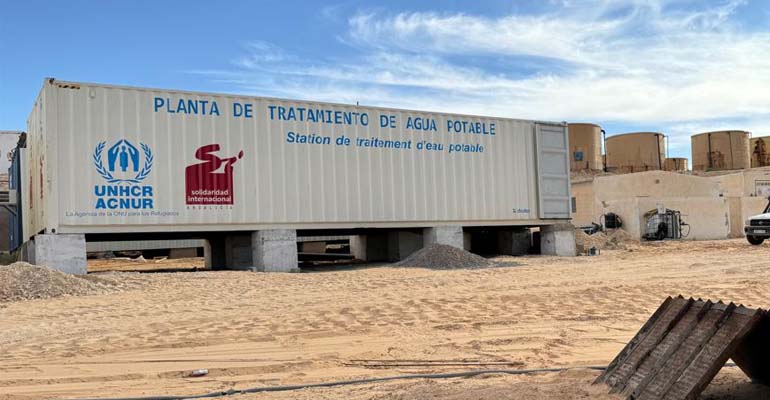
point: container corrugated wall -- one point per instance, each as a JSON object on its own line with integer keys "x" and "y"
{"x": 585, "y": 142}
{"x": 635, "y": 152}
{"x": 721, "y": 150}
{"x": 264, "y": 181}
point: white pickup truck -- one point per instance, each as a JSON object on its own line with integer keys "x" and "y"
{"x": 757, "y": 227}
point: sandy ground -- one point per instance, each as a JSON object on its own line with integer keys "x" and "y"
{"x": 251, "y": 329}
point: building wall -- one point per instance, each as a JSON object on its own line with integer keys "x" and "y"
{"x": 747, "y": 183}
{"x": 730, "y": 185}
{"x": 751, "y": 206}
{"x": 709, "y": 218}
{"x": 585, "y": 203}
{"x": 632, "y": 195}
{"x": 627, "y": 210}
{"x": 657, "y": 184}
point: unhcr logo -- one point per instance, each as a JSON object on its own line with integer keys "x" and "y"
{"x": 127, "y": 167}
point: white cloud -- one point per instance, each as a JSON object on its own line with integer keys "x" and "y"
{"x": 677, "y": 64}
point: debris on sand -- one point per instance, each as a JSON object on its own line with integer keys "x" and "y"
{"x": 441, "y": 256}
{"x": 614, "y": 239}
{"x": 23, "y": 281}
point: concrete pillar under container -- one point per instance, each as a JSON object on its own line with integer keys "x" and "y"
{"x": 237, "y": 252}
{"x": 274, "y": 250}
{"x": 62, "y": 252}
{"x": 358, "y": 247}
{"x": 450, "y": 235}
{"x": 218, "y": 251}
{"x": 384, "y": 245}
{"x": 558, "y": 240}
{"x": 514, "y": 242}
{"x": 401, "y": 244}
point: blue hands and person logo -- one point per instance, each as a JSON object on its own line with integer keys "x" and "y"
{"x": 124, "y": 151}
{"x": 123, "y": 162}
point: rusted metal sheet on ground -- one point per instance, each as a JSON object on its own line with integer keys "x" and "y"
{"x": 753, "y": 353}
{"x": 683, "y": 346}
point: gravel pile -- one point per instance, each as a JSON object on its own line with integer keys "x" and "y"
{"x": 441, "y": 256}
{"x": 616, "y": 239}
{"x": 23, "y": 281}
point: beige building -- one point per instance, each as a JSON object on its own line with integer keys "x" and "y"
{"x": 714, "y": 206}
{"x": 747, "y": 192}
{"x": 630, "y": 196}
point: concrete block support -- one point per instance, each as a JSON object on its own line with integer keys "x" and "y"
{"x": 238, "y": 252}
{"x": 558, "y": 240}
{"x": 358, "y": 247}
{"x": 449, "y": 235}
{"x": 401, "y": 244}
{"x": 63, "y": 252}
{"x": 275, "y": 250}
{"x": 370, "y": 247}
{"x": 514, "y": 242}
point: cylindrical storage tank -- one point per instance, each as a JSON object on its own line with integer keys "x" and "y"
{"x": 760, "y": 152}
{"x": 721, "y": 150}
{"x": 635, "y": 152}
{"x": 677, "y": 164}
{"x": 585, "y": 143}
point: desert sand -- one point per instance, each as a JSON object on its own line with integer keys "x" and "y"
{"x": 252, "y": 329}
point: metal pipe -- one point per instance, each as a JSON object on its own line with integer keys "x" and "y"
{"x": 657, "y": 140}
{"x": 262, "y": 389}
{"x": 604, "y": 144}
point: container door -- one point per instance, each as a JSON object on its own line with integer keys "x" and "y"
{"x": 553, "y": 171}
{"x": 14, "y": 183}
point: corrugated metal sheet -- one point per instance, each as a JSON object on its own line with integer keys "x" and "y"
{"x": 83, "y": 136}
{"x": 681, "y": 348}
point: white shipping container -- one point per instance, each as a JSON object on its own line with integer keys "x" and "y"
{"x": 111, "y": 159}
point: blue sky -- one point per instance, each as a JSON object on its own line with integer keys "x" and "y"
{"x": 675, "y": 66}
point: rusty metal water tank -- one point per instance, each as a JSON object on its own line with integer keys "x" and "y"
{"x": 585, "y": 142}
{"x": 721, "y": 150}
{"x": 676, "y": 164}
{"x": 760, "y": 151}
{"x": 635, "y": 152}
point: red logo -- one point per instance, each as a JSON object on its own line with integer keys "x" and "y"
{"x": 210, "y": 182}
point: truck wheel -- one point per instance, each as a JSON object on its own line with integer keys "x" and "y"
{"x": 755, "y": 240}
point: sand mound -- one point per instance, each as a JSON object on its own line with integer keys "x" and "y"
{"x": 23, "y": 281}
{"x": 615, "y": 239}
{"x": 441, "y": 256}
